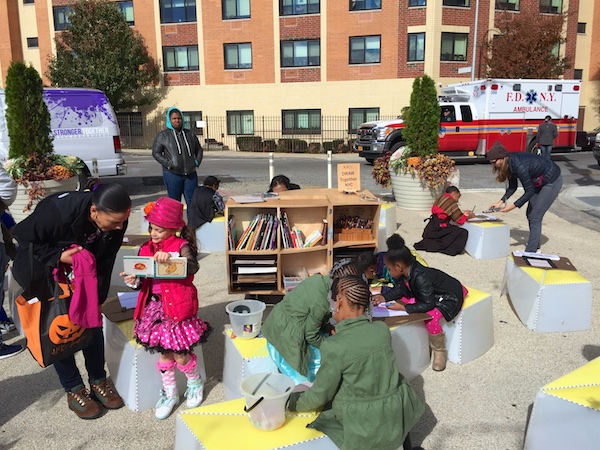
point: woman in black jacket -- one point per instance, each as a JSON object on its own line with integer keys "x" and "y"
{"x": 420, "y": 289}
{"x": 179, "y": 153}
{"x": 94, "y": 221}
{"x": 541, "y": 179}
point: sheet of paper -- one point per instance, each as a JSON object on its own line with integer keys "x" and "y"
{"x": 541, "y": 263}
{"x": 537, "y": 255}
{"x": 382, "y": 311}
{"x": 128, "y": 300}
{"x": 484, "y": 218}
{"x": 248, "y": 198}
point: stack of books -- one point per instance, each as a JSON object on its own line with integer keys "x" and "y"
{"x": 261, "y": 233}
{"x": 255, "y": 271}
{"x": 292, "y": 237}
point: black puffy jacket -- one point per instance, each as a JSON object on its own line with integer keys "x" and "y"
{"x": 533, "y": 172}
{"x": 180, "y": 159}
{"x": 431, "y": 288}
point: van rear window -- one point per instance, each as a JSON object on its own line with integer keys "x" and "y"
{"x": 74, "y": 110}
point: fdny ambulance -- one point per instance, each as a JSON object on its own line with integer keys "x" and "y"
{"x": 476, "y": 114}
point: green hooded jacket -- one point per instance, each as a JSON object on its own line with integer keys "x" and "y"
{"x": 369, "y": 405}
{"x": 296, "y": 320}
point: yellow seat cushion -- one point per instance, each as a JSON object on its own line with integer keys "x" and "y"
{"x": 225, "y": 425}
{"x": 582, "y": 386}
{"x": 473, "y": 297}
{"x": 249, "y": 348}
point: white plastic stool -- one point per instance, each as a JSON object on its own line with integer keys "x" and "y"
{"x": 471, "y": 333}
{"x": 410, "y": 342}
{"x": 487, "y": 240}
{"x": 387, "y": 224}
{"x": 133, "y": 369}
{"x": 549, "y": 300}
{"x": 243, "y": 357}
{"x": 566, "y": 412}
{"x": 211, "y": 236}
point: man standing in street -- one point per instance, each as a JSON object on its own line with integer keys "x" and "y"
{"x": 546, "y": 133}
{"x": 179, "y": 152}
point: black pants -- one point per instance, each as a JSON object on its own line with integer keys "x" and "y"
{"x": 67, "y": 370}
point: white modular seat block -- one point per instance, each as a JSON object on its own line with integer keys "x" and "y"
{"x": 243, "y": 357}
{"x": 471, "y": 333}
{"x": 387, "y": 224}
{"x": 211, "y": 236}
{"x": 487, "y": 240}
{"x": 539, "y": 295}
{"x": 410, "y": 343}
{"x": 566, "y": 412}
{"x": 133, "y": 369}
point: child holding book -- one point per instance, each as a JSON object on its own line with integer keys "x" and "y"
{"x": 420, "y": 289}
{"x": 367, "y": 403}
{"x": 166, "y": 318}
{"x": 295, "y": 329}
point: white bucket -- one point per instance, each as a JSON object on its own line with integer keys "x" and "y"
{"x": 245, "y": 317}
{"x": 266, "y": 395}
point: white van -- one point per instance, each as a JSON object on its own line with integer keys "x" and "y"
{"x": 83, "y": 124}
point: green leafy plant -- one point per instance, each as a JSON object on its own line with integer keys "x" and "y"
{"x": 31, "y": 154}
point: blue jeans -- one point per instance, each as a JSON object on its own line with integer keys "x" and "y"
{"x": 178, "y": 185}
{"x": 537, "y": 207}
{"x": 546, "y": 152}
{"x": 67, "y": 370}
{"x": 3, "y": 263}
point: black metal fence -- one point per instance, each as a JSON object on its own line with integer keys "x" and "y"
{"x": 265, "y": 133}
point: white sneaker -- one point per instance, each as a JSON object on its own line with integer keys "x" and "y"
{"x": 194, "y": 393}
{"x": 166, "y": 403}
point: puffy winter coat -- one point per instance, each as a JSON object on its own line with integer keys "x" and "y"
{"x": 533, "y": 172}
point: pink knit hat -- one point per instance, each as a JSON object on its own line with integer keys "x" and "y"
{"x": 167, "y": 213}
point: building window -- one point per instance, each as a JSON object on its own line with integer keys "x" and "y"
{"x": 28, "y": 2}
{"x": 175, "y": 11}
{"x": 416, "y": 47}
{"x": 460, "y": 3}
{"x": 240, "y": 122}
{"x": 238, "y": 56}
{"x": 301, "y": 53}
{"x": 507, "y": 5}
{"x": 551, "y": 6}
{"x": 578, "y": 74}
{"x": 32, "y": 43}
{"x": 127, "y": 11}
{"x": 362, "y": 5}
{"x": 365, "y": 49}
{"x": 301, "y": 121}
{"x": 61, "y": 17}
{"x": 357, "y": 116}
{"x": 189, "y": 121}
{"x": 236, "y": 9}
{"x": 454, "y": 47}
{"x": 180, "y": 58}
{"x": 417, "y": 3}
{"x": 292, "y": 7}
{"x": 581, "y": 27}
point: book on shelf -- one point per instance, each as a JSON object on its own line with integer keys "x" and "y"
{"x": 324, "y": 232}
{"x": 254, "y": 262}
{"x": 255, "y": 235}
{"x": 231, "y": 232}
{"x": 313, "y": 239}
{"x": 244, "y": 270}
{"x": 268, "y": 278}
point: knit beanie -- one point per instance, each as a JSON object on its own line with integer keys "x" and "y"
{"x": 497, "y": 151}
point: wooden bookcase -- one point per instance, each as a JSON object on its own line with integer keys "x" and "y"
{"x": 305, "y": 210}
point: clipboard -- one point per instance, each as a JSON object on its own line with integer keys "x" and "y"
{"x": 561, "y": 264}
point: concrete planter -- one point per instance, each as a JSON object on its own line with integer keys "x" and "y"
{"x": 51, "y": 187}
{"x": 410, "y": 193}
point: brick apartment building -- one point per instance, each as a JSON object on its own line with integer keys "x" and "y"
{"x": 300, "y": 60}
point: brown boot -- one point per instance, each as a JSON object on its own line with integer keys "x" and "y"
{"x": 81, "y": 403}
{"x": 106, "y": 394}
{"x": 437, "y": 342}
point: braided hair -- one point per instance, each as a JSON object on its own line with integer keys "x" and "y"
{"x": 345, "y": 267}
{"x": 355, "y": 289}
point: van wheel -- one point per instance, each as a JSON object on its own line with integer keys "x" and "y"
{"x": 83, "y": 178}
{"x": 370, "y": 160}
{"x": 397, "y": 145}
{"x": 531, "y": 148}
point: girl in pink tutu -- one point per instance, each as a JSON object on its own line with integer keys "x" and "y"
{"x": 166, "y": 313}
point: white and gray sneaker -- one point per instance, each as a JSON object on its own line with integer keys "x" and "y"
{"x": 7, "y": 326}
{"x": 194, "y": 393}
{"x": 168, "y": 400}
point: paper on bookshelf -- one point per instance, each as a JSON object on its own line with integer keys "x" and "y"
{"x": 257, "y": 198}
{"x": 128, "y": 300}
{"x": 254, "y": 262}
{"x": 255, "y": 269}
